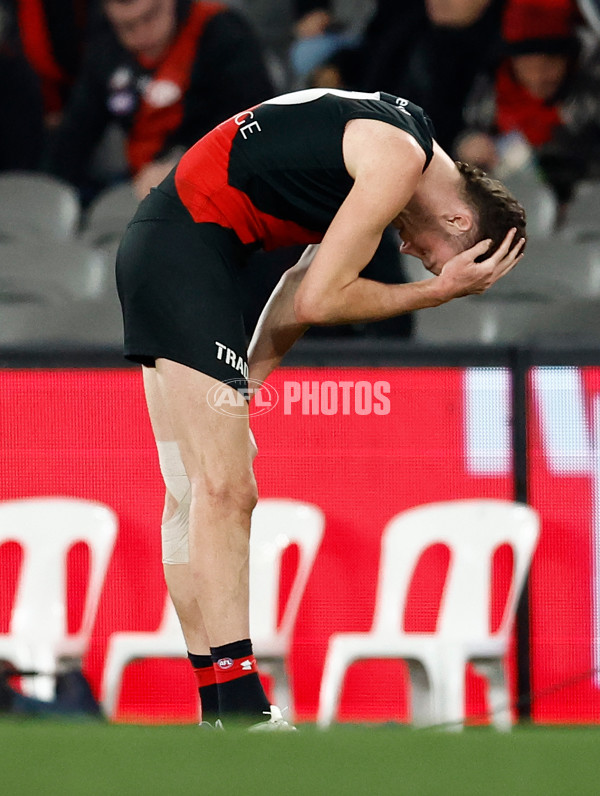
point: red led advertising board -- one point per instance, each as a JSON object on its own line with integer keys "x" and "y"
{"x": 564, "y": 473}
{"x": 363, "y": 444}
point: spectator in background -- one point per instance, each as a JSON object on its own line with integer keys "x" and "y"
{"x": 166, "y": 71}
{"x": 463, "y": 42}
{"x": 21, "y": 120}
{"x": 322, "y": 29}
{"x": 52, "y": 35}
{"x": 543, "y": 103}
{"x": 429, "y": 50}
{"x": 272, "y": 21}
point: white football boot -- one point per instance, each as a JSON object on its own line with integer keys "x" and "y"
{"x": 276, "y": 722}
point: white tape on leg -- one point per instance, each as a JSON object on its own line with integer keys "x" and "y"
{"x": 175, "y": 530}
{"x": 175, "y": 535}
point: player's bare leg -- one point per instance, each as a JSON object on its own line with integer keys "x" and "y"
{"x": 217, "y": 455}
{"x": 177, "y": 575}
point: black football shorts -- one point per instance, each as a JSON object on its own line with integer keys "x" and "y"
{"x": 178, "y": 283}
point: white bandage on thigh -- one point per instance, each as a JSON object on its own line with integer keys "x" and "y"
{"x": 175, "y": 530}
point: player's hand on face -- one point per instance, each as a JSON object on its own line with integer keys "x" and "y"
{"x": 462, "y": 276}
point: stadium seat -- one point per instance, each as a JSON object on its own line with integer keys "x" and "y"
{"x": 108, "y": 215}
{"x": 472, "y": 530}
{"x": 276, "y": 524}
{"x": 591, "y": 13}
{"x": 582, "y": 217}
{"x": 477, "y": 320}
{"x": 76, "y": 269}
{"x": 520, "y": 306}
{"x": 54, "y": 323}
{"x": 46, "y": 528}
{"x": 37, "y": 205}
{"x": 552, "y": 269}
{"x": 57, "y": 294}
{"x": 537, "y": 198}
{"x": 570, "y": 322}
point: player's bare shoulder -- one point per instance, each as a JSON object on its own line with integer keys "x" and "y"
{"x": 374, "y": 146}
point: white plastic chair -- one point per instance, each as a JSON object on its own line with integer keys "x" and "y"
{"x": 38, "y": 205}
{"x": 276, "y": 524}
{"x": 123, "y": 648}
{"x": 46, "y": 528}
{"x": 473, "y": 530}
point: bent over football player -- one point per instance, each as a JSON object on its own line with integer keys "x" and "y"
{"x": 319, "y": 166}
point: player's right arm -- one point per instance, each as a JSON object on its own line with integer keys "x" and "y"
{"x": 325, "y": 287}
{"x": 279, "y": 326}
{"x": 386, "y": 165}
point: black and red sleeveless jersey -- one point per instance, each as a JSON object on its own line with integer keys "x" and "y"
{"x": 275, "y": 173}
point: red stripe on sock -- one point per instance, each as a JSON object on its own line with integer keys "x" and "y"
{"x": 205, "y": 676}
{"x": 227, "y": 669}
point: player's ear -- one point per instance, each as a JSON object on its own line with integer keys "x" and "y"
{"x": 459, "y": 223}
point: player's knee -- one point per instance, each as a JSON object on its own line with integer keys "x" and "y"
{"x": 228, "y": 493}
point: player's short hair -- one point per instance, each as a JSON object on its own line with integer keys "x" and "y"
{"x": 496, "y": 209}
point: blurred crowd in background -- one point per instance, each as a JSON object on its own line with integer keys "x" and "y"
{"x": 504, "y": 81}
{"x": 96, "y": 92}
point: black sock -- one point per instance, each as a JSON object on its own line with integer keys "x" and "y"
{"x": 207, "y": 685}
{"x": 240, "y": 690}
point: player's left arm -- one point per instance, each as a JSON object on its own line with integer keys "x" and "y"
{"x": 278, "y": 329}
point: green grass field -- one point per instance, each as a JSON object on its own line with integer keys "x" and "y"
{"x": 45, "y": 757}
